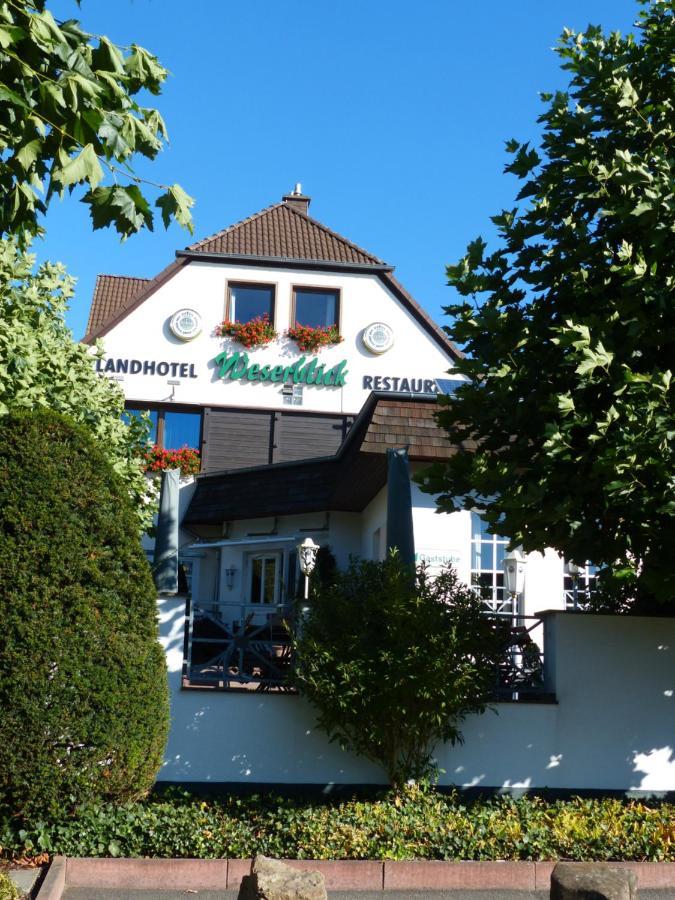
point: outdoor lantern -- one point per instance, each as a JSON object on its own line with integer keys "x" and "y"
{"x": 307, "y": 552}
{"x": 229, "y": 577}
{"x": 573, "y": 570}
{"x": 514, "y": 572}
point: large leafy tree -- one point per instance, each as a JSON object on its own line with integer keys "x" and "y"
{"x": 42, "y": 366}
{"x": 569, "y": 325}
{"x": 69, "y": 116}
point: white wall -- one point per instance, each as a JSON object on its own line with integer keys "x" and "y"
{"x": 144, "y": 334}
{"x": 613, "y": 726}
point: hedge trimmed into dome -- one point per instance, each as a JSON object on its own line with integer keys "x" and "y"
{"x": 83, "y": 688}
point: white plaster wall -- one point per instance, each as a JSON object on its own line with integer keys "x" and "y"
{"x": 144, "y": 334}
{"x": 612, "y": 728}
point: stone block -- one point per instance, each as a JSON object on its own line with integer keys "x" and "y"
{"x": 592, "y": 881}
{"x": 274, "y": 880}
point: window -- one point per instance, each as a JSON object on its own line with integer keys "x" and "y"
{"x": 578, "y": 589}
{"x": 315, "y": 307}
{"x": 265, "y": 581}
{"x": 181, "y": 429}
{"x": 487, "y": 566}
{"x": 171, "y": 429}
{"x": 250, "y": 301}
{"x": 130, "y": 414}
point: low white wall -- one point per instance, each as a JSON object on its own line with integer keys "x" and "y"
{"x": 613, "y": 726}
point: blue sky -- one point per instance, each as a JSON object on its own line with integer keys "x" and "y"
{"x": 392, "y": 115}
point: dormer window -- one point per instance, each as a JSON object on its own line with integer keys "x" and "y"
{"x": 247, "y": 301}
{"x": 316, "y": 307}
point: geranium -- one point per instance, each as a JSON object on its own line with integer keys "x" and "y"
{"x": 255, "y": 333}
{"x": 311, "y": 340}
{"x": 157, "y": 459}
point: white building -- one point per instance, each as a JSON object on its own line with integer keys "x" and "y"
{"x": 292, "y": 443}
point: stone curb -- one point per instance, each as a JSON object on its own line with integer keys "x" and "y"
{"x": 343, "y": 875}
{"x": 55, "y": 880}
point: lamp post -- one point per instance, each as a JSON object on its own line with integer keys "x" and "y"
{"x": 514, "y": 577}
{"x": 574, "y": 571}
{"x": 514, "y": 583}
{"x": 307, "y": 552}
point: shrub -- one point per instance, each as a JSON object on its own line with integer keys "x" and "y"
{"x": 413, "y": 823}
{"x": 8, "y": 890}
{"x": 393, "y": 661}
{"x": 83, "y": 688}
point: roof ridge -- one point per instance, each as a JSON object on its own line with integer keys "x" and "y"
{"x": 135, "y": 277}
{"x": 251, "y": 218}
{"x": 334, "y": 234}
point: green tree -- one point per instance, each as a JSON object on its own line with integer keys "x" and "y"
{"x": 569, "y": 325}
{"x": 69, "y": 116}
{"x": 393, "y": 663}
{"x": 42, "y": 366}
{"x": 83, "y": 688}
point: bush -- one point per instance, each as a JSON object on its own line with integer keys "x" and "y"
{"x": 83, "y": 689}
{"x": 394, "y": 661}
{"x": 413, "y": 823}
{"x": 8, "y": 890}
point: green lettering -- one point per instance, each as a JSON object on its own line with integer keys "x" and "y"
{"x": 252, "y": 372}
{"x": 234, "y": 365}
{"x": 340, "y": 374}
{"x": 297, "y": 368}
{"x": 265, "y": 373}
{"x": 328, "y": 377}
{"x": 276, "y": 373}
{"x": 308, "y": 372}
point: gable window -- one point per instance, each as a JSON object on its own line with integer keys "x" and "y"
{"x": 248, "y": 301}
{"x": 316, "y": 308}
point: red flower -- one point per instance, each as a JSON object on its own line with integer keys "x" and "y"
{"x": 310, "y": 340}
{"x": 256, "y": 333}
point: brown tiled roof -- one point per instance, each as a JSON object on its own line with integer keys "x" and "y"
{"x": 112, "y": 294}
{"x": 284, "y": 232}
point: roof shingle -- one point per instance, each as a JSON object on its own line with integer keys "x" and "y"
{"x": 284, "y": 232}
{"x": 111, "y": 295}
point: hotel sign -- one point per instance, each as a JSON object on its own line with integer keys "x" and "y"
{"x": 236, "y": 366}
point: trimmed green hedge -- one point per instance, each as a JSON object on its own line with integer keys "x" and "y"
{"x": 415, "y": 824}
{"x": 83, "y": 688}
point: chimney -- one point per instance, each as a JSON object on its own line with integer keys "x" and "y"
{"x": 297, "y": 199}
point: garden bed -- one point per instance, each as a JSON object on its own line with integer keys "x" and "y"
{"x": 415, "y": 824}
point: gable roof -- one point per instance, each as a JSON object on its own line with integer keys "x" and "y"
{"x": 281, "y": 235}
{"x": 283, "y": 232}
{"x": 111, "y": 294}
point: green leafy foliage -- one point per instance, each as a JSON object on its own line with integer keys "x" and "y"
{"x": 393, "y": 661}
{"x": 8, "y": 890}
{"x": 413, "y": 823}
{"x": 70, "y": 118}
{"x": 42, "y": 366}
{"x": 83, "y": 687}
{"x": 569, "y": 326}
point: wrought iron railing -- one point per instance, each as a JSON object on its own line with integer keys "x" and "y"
{"x": 520, "y": 671}
{"x": 237, "y": 646}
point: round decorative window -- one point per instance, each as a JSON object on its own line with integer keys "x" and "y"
{"x": 185, "y": 324}
{"x": 378, "y": 337}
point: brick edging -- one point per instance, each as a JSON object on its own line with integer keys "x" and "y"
{"x": 346, "y": 875}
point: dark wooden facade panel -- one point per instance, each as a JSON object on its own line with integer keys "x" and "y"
{"x": 236, "y": 439}
{"x": 239, "y": 439}
{"x": 302, "y": 436}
